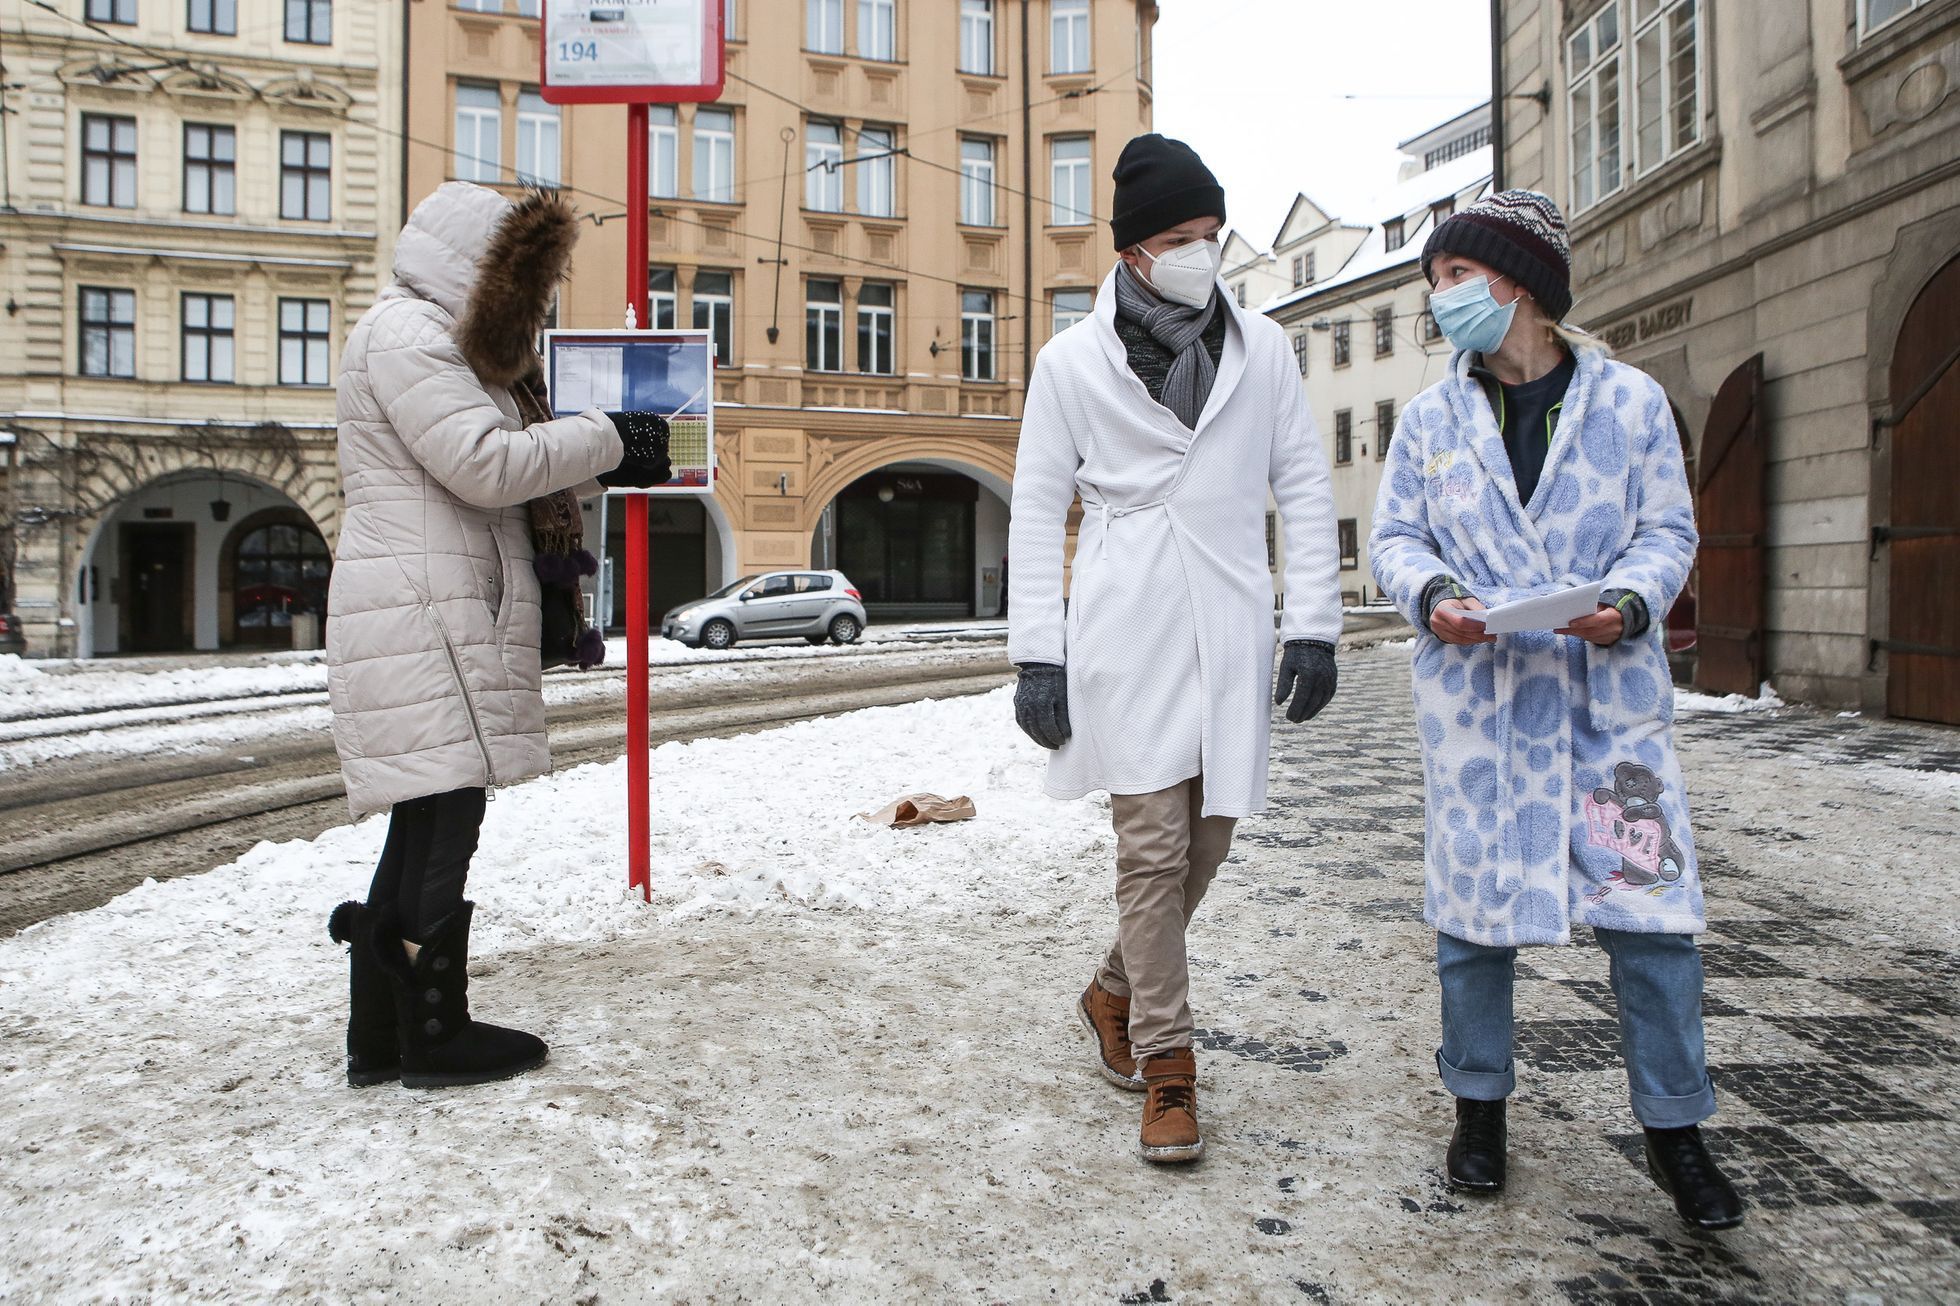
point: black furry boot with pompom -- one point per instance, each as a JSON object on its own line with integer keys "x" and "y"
{"x": 373, "y": 1051}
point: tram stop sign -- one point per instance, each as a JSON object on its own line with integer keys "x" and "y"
{"x": 631, "y": 51}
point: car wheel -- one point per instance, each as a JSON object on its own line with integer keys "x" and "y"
{"x": 717, "y": 634}
{"x": 844, "y": 629}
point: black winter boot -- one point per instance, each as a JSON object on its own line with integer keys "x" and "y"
{"x": 373, "y": 1056}
{"x": 1681, "y": 1165}
{"x": 441, "y": 1046}
{"x": 1476, "y": 1157}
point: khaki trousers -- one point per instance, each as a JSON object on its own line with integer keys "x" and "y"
{"x": 1166, "y": 856}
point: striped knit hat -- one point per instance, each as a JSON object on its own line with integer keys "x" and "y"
{"x": 1521, "y": 234}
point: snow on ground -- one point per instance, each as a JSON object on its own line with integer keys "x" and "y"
{"x": 1687, "y": 700}
{"x": 171, "y": 1072}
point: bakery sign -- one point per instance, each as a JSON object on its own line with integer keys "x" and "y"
{"x": 1661, "y": 320}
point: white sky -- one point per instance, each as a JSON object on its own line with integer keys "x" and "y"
{"x": 1257, "y": 87}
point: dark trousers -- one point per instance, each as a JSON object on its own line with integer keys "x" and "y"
{"x": 426, "y": 858}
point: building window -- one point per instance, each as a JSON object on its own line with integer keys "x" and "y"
{"x": 210, "y": 168}
{"x": 1070, "y": 307}
{"x": 306, "y": 176}
{"x": 877, "y": 196}
{"x": 1384, "y": 426}
{"x": 1441, "y": 210}
{"x": 714, "y": 155}
{"x": 1456, "y": 149}
{"x": 1592, "y": 60}
{"x": 215, "y": 17}
{"x": 1342, "y": 354}
{"x": 1300, "y": 348}
{"x": 207, "y": 338}
{"x": 111, "y": 11}
{"x": 977, "y": 37}
{"x": 1343, "y": 436}
{"x": 108, "y": 332}
{"x": 823, "y": 30}
{"x": 479, "y": 133}
{"x": 109, "y": 161}
{"x": 823, "y": 326}
{"x": 1393, "y": 237}
{"x": 1303, "y": 269}
{"x": 1238, "y": 293}
{"x": 663, "y": 151}
{"x": 878, "y": 30}
{"x": 1431, "y": 333}
{"x": 303, "y": 336}
{"x": 977, "y": 335}
{"x": 1874, "y": 14}
{"x": 728, "y": 20}
{"x": 976, "y": 181}
{"x": 875, "y": 304}
{"x": 1384, "y": 331}
{"x": 823, "y": 167}
{"x": 309, "y": 22}
{"x": 663, "y": 299}
{"x": 1070, "y": 187}
{"x": 537, "y": 140}
{"x": 527, "y": 8}
{"x": 1666, "y": 79}
{"x": 714, "y": 310}
{"x": 1068, "y": 36}
{"x": 1350, "y": 542}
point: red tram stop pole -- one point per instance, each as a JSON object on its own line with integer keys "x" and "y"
{"x": 639, "y": 825}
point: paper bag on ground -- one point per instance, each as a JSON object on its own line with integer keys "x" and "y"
{"x": 1540, "y": 612}
{"x": 921, "y": 809}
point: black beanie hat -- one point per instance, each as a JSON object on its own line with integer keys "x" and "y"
{"x": 1160, "y": 183}
{"x": 1520, "y": 233}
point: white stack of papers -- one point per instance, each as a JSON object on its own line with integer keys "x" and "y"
{"x": 1540, "y": 612}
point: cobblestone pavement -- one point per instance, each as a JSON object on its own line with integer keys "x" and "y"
{"x": 1831, "y": 1003}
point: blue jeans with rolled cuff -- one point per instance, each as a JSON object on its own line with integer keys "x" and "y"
{"x": 1657, "y": 981}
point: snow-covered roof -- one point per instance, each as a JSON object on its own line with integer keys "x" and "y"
{"x": 1409, "y": 200}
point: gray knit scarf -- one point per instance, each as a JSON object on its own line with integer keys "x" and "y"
{"x": 1179, "y": 328}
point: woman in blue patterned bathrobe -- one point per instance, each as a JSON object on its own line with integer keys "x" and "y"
{"x": 1553, "y": 792}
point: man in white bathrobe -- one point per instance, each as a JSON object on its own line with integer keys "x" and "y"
{"x": 1172, "y": 413}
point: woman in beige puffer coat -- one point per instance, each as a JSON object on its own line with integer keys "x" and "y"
{"x": 433, "y": 662}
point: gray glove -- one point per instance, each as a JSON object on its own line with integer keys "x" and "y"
{"x": 1307, "y": 675}
{"x": 1041, "y": 703}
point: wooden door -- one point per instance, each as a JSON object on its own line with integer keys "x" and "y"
{"x": 1923, "y": 671}
{"x": 1729, "y": 506}
{"x": 156, "y": 587}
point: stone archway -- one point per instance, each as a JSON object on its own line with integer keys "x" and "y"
{"x": 158, "y": 562}
{"x": 923, "y": 537}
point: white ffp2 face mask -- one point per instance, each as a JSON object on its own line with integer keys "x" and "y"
{"x": 1187, "y": 274}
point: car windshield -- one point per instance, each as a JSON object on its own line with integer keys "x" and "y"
{"x": 727, "y": 590}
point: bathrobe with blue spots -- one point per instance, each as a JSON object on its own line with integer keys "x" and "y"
{"x": 1553, "y": 791}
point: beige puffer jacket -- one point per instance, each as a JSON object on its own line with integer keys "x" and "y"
{"x": 432, "y": 641}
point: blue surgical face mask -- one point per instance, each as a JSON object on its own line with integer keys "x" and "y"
{"x": 1470, "y": 317}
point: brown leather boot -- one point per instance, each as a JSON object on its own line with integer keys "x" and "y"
{"x": 1170, "y": 1112}
{"x": 1107, "y": 1018}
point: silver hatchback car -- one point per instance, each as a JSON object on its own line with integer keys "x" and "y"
{"x": 818, "y": 605}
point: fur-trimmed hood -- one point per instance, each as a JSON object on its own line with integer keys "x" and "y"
{"x": 491, "y": 264}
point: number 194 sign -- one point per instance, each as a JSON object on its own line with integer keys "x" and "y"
{"x": 631, "y": 51}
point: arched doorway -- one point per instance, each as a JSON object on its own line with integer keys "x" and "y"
{"x": 274, "y": 568}
{"x": 162, "y": 570}
{"x": 690, "y": 552}
{"x": 923, "y": 539}
{"x": 1923, "y": 645}
{"x": 1731, "y": 506}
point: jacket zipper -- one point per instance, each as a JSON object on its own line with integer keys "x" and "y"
{"x": 469, "y": 704}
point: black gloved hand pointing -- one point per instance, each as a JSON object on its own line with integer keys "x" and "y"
{"x": 1041, "y": 703}
{"x": 644, "y": 436}
{"x": 1308, "y": 677}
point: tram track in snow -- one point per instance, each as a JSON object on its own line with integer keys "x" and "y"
{"x": 72, "y": 842}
